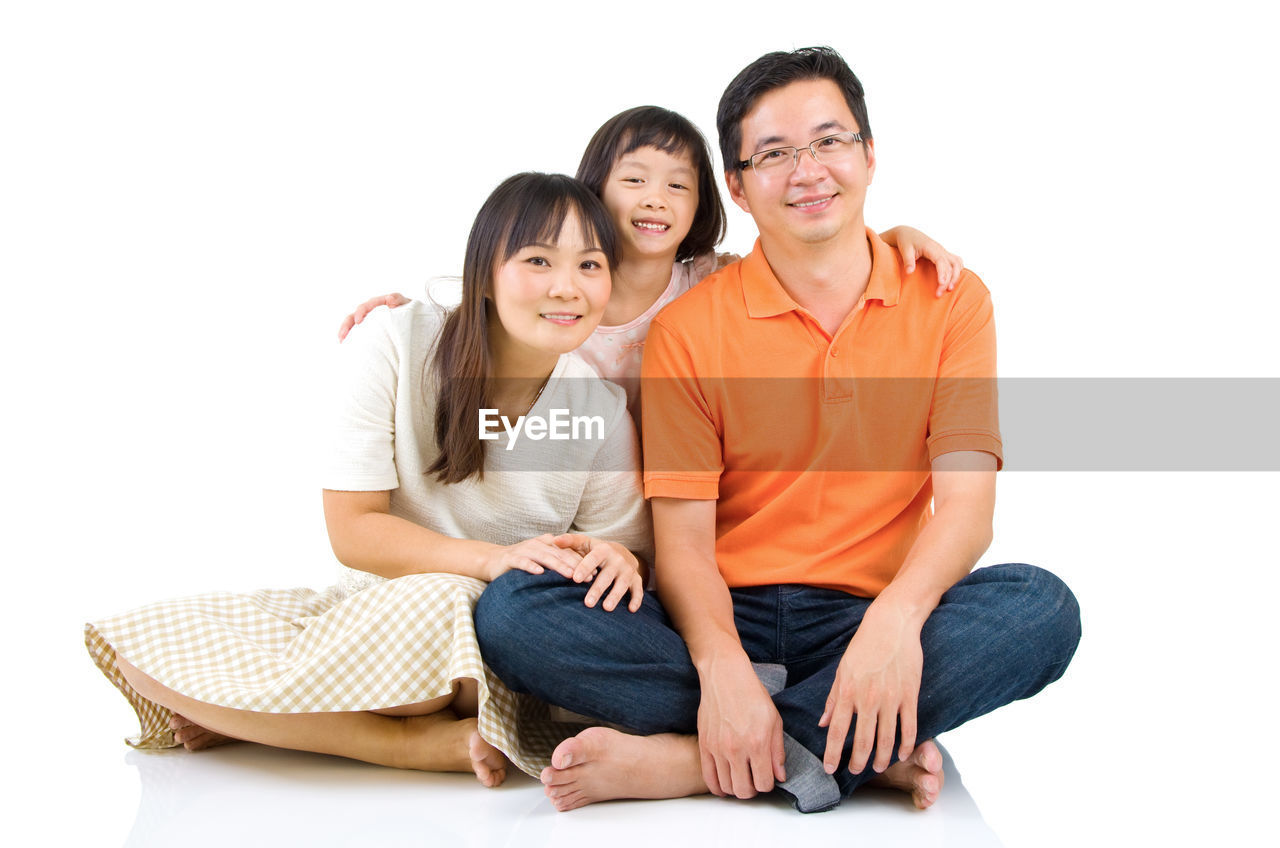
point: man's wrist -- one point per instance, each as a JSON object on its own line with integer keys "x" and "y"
{"x": 721, "y": 654}
{"x": 906, "y": 612}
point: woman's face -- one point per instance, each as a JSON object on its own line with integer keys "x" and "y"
{"x": 652, "y": 197}
{"x": 548, "y": 298}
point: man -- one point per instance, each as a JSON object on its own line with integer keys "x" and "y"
{"x": 803, "y": 409}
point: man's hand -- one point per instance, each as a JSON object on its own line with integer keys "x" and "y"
{"x": 879, "y": 680}
{"x": 879, "y": 675}
{"x": 739, "y": 732}
{"x": 739, "y": 729}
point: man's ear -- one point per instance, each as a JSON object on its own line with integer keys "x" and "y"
{"x": 870, "y": 146}
{"x": 733, "y": 180}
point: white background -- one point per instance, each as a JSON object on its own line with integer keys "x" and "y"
{"x": 193, "y": 195}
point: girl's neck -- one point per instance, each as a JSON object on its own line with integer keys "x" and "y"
{"x": 638, "y": 282}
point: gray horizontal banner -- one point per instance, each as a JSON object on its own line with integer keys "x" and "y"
{"x": 1141, "y": 424}
{"x": 1045, "y": 424}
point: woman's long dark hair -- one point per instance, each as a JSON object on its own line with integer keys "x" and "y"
{"x": 523, "y": 210}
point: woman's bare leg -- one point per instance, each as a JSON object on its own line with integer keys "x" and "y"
{"x": 427, "y": 736}
{"x": 464, "y": 703}
{"x": 488, "y": 763}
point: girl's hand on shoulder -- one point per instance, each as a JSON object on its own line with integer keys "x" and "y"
{"x": 614, "y": 569}
{"x": 535, "y": 556}
{"x": 393, "y": 300}
{"x": 724, "y": 260}
{"x": 913, "y": 244}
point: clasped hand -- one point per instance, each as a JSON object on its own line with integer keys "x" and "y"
{"x": 612, "y": 569}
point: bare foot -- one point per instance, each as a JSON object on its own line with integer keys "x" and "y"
{"x": 441, "y": 741}
{"x": 193, "y": 737}
{"x": 487, "y": 761}
{"x": 920, "y": 774}
{"x": 601, "y": 764}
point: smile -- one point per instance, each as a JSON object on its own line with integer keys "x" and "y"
{"x": 809, "y": 204}
{"x": 564, "y": 318}
{"x": 651, "y": 226}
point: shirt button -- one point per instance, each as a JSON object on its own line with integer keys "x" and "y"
{"x": 834, "y": 352}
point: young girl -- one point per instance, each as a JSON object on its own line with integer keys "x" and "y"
{"x": 388, "y": 670}
{"x": 652, "y": 168}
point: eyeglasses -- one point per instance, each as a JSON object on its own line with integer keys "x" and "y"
{"x": 828, "y": 150}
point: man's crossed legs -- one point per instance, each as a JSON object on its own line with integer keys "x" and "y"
{"x": 1000, "y": 634}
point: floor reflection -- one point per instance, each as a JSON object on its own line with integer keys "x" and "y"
{"x": 245, "y": 795}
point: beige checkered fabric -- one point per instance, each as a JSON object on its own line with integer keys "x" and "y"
{"x": 397, "y": 642}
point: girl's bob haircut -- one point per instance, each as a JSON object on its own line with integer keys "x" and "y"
{"x": 653, "y": 126}
{"x": 525, "y": 209}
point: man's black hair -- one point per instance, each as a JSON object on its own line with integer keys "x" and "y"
{"x": 774, "y": 70}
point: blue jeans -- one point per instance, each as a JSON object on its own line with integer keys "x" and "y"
{"x": 1000, "y": 634}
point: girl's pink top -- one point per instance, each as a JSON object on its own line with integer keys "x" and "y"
{"x": 614, "y": 352}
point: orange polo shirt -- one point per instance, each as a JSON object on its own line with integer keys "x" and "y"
{"x": 817, "y": 448}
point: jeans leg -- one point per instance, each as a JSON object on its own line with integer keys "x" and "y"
{"x": 1001, "y": 634}
{"x": 630, "y": 669}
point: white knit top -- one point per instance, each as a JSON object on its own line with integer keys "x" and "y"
{"x": 383, "y": 438}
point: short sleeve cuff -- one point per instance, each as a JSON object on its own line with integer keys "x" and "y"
{"x": 684, "y": 486}
{"x": 361, "y": 484}
{"x": 967, "y": 440}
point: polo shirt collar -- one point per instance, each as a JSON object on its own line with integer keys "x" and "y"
{"x": 765, "y": 297}
{"x": 886, "y": 272}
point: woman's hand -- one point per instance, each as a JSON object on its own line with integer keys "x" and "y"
{"x": 535, "y": 556}
{"x": 614, "y": 569}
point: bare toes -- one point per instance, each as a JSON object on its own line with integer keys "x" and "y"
{"x": 553, "y": 792}
{"x": 569, "y": 752}
{"x": 572, "y": 801}
{"x": 925, "y": 789}
{"x": 556, "y": 777}
{"x": 488, "y": 763}
{"x": 929, "y": 757}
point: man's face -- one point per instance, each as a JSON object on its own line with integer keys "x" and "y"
{"x": 815, "y": 202}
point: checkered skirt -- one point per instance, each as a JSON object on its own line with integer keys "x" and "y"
{"x": 396, "y": 642}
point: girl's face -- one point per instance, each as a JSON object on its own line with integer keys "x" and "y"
{"x": 652, "y": 197}
{"x": 548, "y": 298}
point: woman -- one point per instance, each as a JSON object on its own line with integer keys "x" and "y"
{"x": 423, "y": 505}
